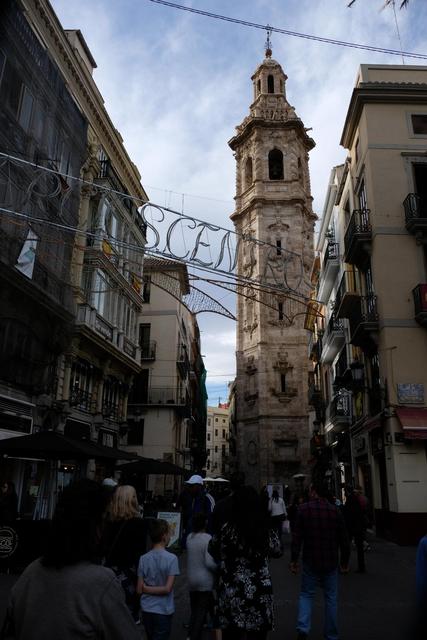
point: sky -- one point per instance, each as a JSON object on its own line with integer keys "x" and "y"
{"x": 176, "y": 85}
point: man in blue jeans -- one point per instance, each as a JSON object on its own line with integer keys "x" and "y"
{"x": 321, "y": 532}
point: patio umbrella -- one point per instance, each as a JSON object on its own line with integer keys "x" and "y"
{"x": 51, "y": 445}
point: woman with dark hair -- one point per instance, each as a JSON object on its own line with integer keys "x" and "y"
{"x": 241, "y": 547}
{"x": 278, "y": 513}
{"x": 65, "y": 593}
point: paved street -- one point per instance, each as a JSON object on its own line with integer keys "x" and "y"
{"x": 374, "y": 606}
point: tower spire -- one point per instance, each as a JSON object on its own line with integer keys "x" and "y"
{"x": 268, "y": 51}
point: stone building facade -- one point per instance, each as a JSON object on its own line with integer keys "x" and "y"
{"x": 371, "y": 355}
{"x": 217, "y": 441}
{"x": 273, "y": 205}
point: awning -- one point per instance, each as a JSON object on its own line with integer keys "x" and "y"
{"x": 413, "y": 421}
{"x": 149, "y": 466}
{"x": 50, "y": 445}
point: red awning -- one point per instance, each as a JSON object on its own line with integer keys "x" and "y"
{"x": 413, "y": 421}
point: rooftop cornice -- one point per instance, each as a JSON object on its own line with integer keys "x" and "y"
{"x": 253, "y": 123}
{"x": 379, "y": 92}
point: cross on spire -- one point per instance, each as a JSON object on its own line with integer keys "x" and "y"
{"x": 268, "y": 51}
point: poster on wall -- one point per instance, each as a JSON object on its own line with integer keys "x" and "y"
{"x": 173, "y": 518}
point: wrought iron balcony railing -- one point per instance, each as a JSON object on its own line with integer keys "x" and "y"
{"x": 415, "y": 207}
{"x": 331, "y": 253}
{"x": 340, "y": 408}
{"x": 358, "y": 237}
{"x": 161, "y": 396}
{"x": 148, "y": 350}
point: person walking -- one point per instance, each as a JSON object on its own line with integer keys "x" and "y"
{"x": 157, "y": 570}
{"x": 356, "y": 520}
{"x": 125, "y": 541}
{"x": 278, "y": 513}
{"x": 66, "y": 593}
{"x": 193, "y": 500}
{"x": 201, "y": 569}
{"x": 241, "y": 548}
{"x": 321, "y": 534}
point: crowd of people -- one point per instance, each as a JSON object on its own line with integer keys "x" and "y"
{"x": 102, "y": 576}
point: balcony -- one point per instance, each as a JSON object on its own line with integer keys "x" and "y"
{"x": 364, "y": 323}
{"x": 415, "y": 214}
{"x": 348, "y": 294}
{"x": 342, "y": 371}
{"x": 333, "y": 339}
{"x": 96, "y": 327}
{"x": 148, "y": 351}
{"x": 357, "y": 239}
{"x": 340, "y": 409}
{"x": 420, "y": 303}
{"x": 330, "y": 268}
{"x": 159, "y": 396}
{"x": 182, "y": 360}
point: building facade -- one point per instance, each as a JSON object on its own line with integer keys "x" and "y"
{"x": 273, "y": 205}
{"x": 218, "y": 441}
{"x": 39, "y": 123}
{"x": 76, "y": 344}
{"x": 167, "y": 407}
{"x": 372, "y": 283}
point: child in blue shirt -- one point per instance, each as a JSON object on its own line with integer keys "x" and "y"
{"x": 156, "y": 576}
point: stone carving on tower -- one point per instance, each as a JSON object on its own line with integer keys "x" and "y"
{"x": 274, "y": 205}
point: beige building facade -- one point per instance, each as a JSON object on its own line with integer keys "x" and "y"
{"x": 273, "y": 205}
{"x": 165, "y": 411}
{"x": 218, "y": 441}
{"x": 372, "y": 282}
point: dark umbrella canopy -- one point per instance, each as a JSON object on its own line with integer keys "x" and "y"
{"x": 51, "y": 445}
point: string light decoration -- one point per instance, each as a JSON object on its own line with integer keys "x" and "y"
{"x": 161, "y": 226}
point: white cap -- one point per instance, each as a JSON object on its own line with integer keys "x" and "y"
{"x": 195, "y": 480}
{"x": 109, "y": 482}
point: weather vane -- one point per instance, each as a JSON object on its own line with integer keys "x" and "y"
{"x": 268, "y": 51}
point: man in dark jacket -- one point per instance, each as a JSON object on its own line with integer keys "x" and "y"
{"x": 320, "y": 532}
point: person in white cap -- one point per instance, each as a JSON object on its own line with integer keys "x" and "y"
{"x": 193, "y": 500}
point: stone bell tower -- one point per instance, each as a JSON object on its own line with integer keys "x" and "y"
{"x": 274, "y": 205}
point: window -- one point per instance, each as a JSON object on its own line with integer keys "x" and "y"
{"x": 135, "y": 433}
{"x": 278, "y": 247}
{"x": 146, "y": 289}
{"x": 208, "y": 465}
{"x": 223, "y": 433}
{"x": 25, "y": 108}
{"x": 362, "y": 196}
{"x": 283, "y": 382}
{"x": 100, "y": 293}
{"x": 223, "y": 450}
{"x": 270, "y": 84}
{"x": 280, "y": 310}
{"x": 419, "y": 122}
{"x": 216, "y": 432}
{"x": 216, "y": 448}
{"x": 216, "y": 419}
{"x": 209, "y": 422}
{"x": 248, "y": 173}
{"x": 259, "y": 86}
{"x": 357, "y": 150}
{"x": 209, "y": 437}
{"x": 275, "y": 165}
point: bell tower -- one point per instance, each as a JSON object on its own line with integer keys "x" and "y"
{"x": 274, "y": 205}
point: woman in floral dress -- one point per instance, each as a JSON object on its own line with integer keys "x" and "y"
{"x": 241, "y": 548}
